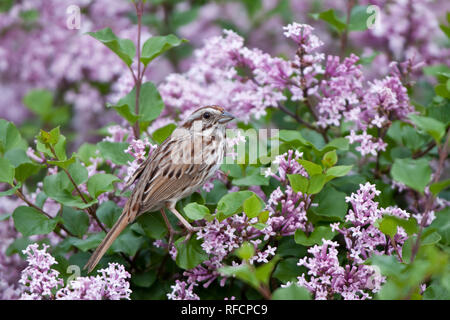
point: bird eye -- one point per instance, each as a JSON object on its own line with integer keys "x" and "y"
{"x": 206, "y": 115}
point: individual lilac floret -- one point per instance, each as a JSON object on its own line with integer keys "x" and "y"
{"x": 40, "y": 281}
{"x": 182, "y": 291}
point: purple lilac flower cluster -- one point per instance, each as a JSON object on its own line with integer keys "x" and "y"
{"x": 327, "y": 277}
{"x": 362, "y": 239}
{"x": 214, "y": 78}
{"x": 248, "y": 81}
{"x": 408, "y": 30}
{"x": 39, "y": 281}
{"x": 344, "y": 94}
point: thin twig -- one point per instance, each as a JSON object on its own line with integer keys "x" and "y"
{"x": 20, "y": 194}
{"x": 89, "y": 209}
{"x": 295, "y": 117}
{"x": 139, "y": 11}
{"x": 420, "y": 154}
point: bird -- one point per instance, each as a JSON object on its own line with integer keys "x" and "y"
{"x": 175, "y": 169}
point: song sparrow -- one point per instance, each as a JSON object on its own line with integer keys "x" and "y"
{"x": 178, "y": 167}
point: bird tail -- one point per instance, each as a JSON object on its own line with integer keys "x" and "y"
{"x": 129, "y": 213}
{"x": 118, "y": 227}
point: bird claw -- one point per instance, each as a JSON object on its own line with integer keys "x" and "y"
{"x": 171, "y": 233}
{"x": 189, "y": 233}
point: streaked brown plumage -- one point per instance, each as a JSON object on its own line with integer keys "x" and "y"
{"x": 178, "y": 167}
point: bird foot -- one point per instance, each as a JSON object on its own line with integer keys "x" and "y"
{"x": 190, "y": 232}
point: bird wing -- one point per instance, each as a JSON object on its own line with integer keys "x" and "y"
{"x": 170, "y": 172}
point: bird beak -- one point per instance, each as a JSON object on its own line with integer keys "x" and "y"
{"x": 226, "y": 117}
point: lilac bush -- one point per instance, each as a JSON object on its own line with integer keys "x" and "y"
{"x": 350, "y": 201}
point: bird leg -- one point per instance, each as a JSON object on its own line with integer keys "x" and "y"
{"x": 169, "y": 227}
{"x": 187, "y": 225}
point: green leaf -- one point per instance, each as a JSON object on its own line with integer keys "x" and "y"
{"x": 144, "y": 279}
{"x": 7, "y": 171}
{"x": 232, "y": 203}
{"x": 50, "y": 137}
{"x": 436, "y": 291}
{"x": 30, "y": 221}
{"x": 115, "y": 151}
{"x": 17, "y": 157}
{"x": 62, "y": 163}
{"x": 181, "y": 18}
{"x": 76, "y": 221}
{"x": 195, "y": 211}
{"x": 338, "y": 171}
{"x": 53, "y": 139}
{"x": 91, "y": 242}
{"x": 6, "y": 216}
{"x": 78, "y": 173}
{"x": 442, "y": 224}
{"x": 389, "y": 265}
{"x": 319, "y": 233}
{"x": 264, "y": 271}
{"x": 437, "y": 187}
{"x": 252, "y": 6}
{"x": 329, "y": 16}
{"x": 153, "y": 225}
{"x": 108, "y": 213}
{"x": 124, "y": 48}
{"x": 441, "y": 90}
{"x": 189, "y": 254}
{"x": 252, "y": 206}
{"x": 298, "y": 182}
{"x": 329, "y": 159}
{"x": 10, "y": 137}
{"x": 389, "y": 224}
{"x": 339, "y": 143}
{"x": 17, "y": 246}
{"x": 100, "y": 183}
{"x": 430, "y": 237}
{"x": 433, "y": 127}
{"x": 293, "y": 292}
{"x": 246, "y": 251}
{"x": 127, "y": 242}
{"x": 316, "y": 184}
{"x": 331, "y": 203}
{"x": 242, "y": 272}
{"x": 416, "y": 174}
{"x": 40, "y": 101}
{"x": 163, "y": 133}
{"x": 25, "y": 170}
{"x": 150, "y": 104}
{"x": 293, "y": 136}
{"x": 287, "y": 269}
{"x": 155, "y": 46}
{"x": 59, "y": 188}
{"x": 310, "y": 167}
{"x": 86, "y": 152}
{"x": 358, "y": 18}
{"x": 251, "y": 180}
